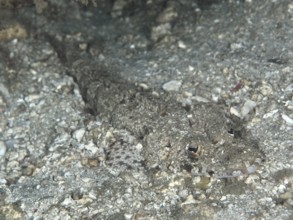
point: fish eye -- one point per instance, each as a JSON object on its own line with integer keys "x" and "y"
{"x": 192, "y": 149}
{"x": 231, "y": 131}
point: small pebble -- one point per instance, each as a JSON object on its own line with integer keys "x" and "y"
{"x": 181, "y": 45}
{"x": 32, "y": 97}
{"x": 183, "y": 193}
{"x": 248, "y": 106}
{"x": 235, "y": 112}
{"x": 289, "y": 105}
{"x": 160, "y": 31}
{"x": 128, "y": 216}
{"x": 265, "y": 201}
{"x": 138, "y": 147}
{"x": 118, "y": 8}
{"x": 223, "y": 198}
{"x": 287, "y": 195}
{"x": 252, "y": 179}
{"x": 173, "y": 85}
{"x": 251, "y": 169}
{"x": 143, "y": 86}
{"x": 187, "y": 94}
{"x": 287, "y": 119}
{"x": 2, "y": 149}
{"x": 156, "y": 94}
{"x": 168, "y": 14}
{"x": 83, "y": 46}
{"x": 3, "y": 181}
{"x": 266, "y": 89}
{"x": 200, "y": 99}
{"x": 78, "y": 134}
{"x": 4, "y": 91}
{"x": 68, "y": 201}
{"x": 188, "y": 201}
{"x": 92, "y": 147}
{"x": 236, "y": 46}
{"x": 270, "y": 114}
{"x": 282, "y": 189}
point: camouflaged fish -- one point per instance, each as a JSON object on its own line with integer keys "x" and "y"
{"x": 152, "y": 131}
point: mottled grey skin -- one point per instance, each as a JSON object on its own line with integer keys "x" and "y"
{"x": 165, "y": 129}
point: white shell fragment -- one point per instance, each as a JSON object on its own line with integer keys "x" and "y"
{"x": 189, "y": 200}
{"x": 2, "y": 149}
{"x": 200, "y": 99}
{"x": 289, "y": 104}
{"x": 78, "y": 134}
{"x": 143, "y": 86}
{"x": 173, "y": 85}
{"x": 270, "y": 114}
{"x": 181, "y": 44}
{"x": 235, "y": 112}
{"x": 248, "y": 106}
{"x": 190, "y": 68}
{"x": 287, "y": 119}
{"x": 266, "y": 89}
{"x": 91, "y": 147}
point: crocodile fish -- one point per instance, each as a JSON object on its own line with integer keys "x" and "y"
{"x": 152, "y": 130}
